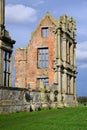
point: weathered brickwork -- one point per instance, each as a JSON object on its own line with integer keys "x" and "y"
{"x": 26, "y": 65}
{"x": 20, "y": 67}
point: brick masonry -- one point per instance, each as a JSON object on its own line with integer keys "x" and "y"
{"x": 26, "y": 68}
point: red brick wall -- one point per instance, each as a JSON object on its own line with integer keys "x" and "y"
{"x": 20, "y": 67}
{"x": 26, "y": 68}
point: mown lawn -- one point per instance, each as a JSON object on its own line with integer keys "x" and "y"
{"x": 54, "y": 119}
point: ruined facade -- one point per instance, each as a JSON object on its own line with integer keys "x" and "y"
{"x": 6, "y": 46}
{"x": 45, "y": 69}
{"x": 50, "y": 59}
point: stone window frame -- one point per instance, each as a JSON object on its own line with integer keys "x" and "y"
{"x": 44, "y": 32}
{"x": 43, "y": 54}
{"x": 6, "y": 68}
{"x": 45, "y": 81}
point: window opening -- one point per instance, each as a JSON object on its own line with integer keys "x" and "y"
{"x": 44, "y": 80}
{"x": 43, "y": 57}
{"x": 45, "y": 32}
{"x": 6, "y": 68}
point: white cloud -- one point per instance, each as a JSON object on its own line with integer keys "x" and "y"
{"x": 20, "y": 14}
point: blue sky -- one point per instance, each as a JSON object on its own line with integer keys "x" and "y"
{"x": 22, "y": 17}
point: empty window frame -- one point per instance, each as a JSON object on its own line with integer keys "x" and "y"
{"x": 45, "y": 82}
{"x": 44, "y": 32}
{"x": 6, "y": 68}
{"x": 42, "y": 57}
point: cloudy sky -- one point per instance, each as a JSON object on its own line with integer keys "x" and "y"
{"x": 22, "y": 17}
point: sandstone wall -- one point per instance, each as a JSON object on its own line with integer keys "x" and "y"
{"x": 13, "y": 100}
{"x": 19, "y": 99}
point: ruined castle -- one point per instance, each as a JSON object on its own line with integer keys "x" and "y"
{"x": 49, "y": 58}
{"x": 45, "y": 68}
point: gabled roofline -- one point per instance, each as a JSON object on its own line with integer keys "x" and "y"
{"x": 47, "y": 15}
{"x": 51, "y": 18}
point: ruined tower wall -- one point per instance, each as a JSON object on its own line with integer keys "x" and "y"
{"x": 32, "y": 70}
{"x": 38, "y": 41}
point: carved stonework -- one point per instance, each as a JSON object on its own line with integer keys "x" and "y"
{"x": 6, "y": 47}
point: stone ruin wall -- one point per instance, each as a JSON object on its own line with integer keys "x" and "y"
{"x": 12, "y": 100}
{"x": 18, "y": 100}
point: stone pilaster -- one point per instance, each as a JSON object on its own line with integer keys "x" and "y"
{"x": 2, "y": 16}
{"x": 56, "y": 44}
{"x": 72, "y": 55}
{"x": 57, "y": 53}
{"x": 60, "y": 88}
{"x": 59, "y": 44}
{"x": 64, "y": 82}
{"x": 10, "y": 79}
{"x": 56, "y": 75}
{"x": 64, "y": 48}
{"x": 56, "y": 59}
{"x": 67, "y": 51}
{"x": 2, "y": 11}
{"x": 1, "y": 67}
{"x": 74, "y": 87}
{"x": 71, "y": 86}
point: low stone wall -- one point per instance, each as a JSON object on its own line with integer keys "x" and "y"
{"x": 13, "y": 100}
{"x": 71, "y": 100}
{"x": 19, "y": 99}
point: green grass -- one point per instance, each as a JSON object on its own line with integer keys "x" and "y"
{"x": 54, "y": 119}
